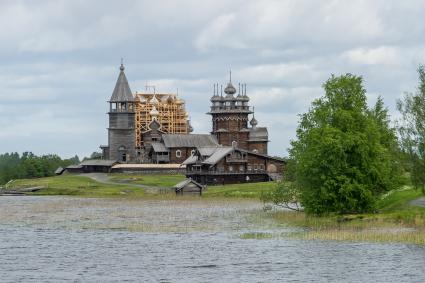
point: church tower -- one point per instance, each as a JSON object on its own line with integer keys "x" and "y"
{"x": 121, "y": 131}
{"x": 230, "y": 115}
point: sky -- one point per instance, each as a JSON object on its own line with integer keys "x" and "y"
{"x": 59, "y": 60}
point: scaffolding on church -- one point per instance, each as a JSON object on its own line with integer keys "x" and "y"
{"x": 172, "y": 114}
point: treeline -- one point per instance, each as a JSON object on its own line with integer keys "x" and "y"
{"x": 29, "y": 165}
{"x": 346, "y": 155}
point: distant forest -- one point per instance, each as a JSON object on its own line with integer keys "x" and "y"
{"x": 28, "y": 165}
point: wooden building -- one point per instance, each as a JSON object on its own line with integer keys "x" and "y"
{"x": 188, "y": 187}
{"x": 151, "y": 128}
{"x": 229, "y": 165}
{"x": 131, "y": 116}
{"x": 230, "y": 119}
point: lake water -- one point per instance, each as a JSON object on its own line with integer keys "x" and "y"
{"x": 55, "y": 239}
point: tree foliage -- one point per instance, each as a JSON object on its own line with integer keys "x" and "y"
{"x": 344, "y": 152}
{"x": 412, "y": 131}
{"x": 28, "y": 165}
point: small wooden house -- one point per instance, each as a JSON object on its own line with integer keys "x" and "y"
{"x": 188, "y": 187}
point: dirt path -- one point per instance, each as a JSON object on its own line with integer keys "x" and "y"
{"x": 418, "y": 202}
{"x": 104, "y": 178}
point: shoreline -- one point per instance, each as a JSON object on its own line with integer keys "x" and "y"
{"x": 397, "y": 220}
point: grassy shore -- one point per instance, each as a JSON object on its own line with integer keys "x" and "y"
{"x": 395, "y": 221}
{"x": 154, "y": 180}
{"x": 76, "y": 186}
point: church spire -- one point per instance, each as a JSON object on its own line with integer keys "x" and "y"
{"x": 122, "y": 91}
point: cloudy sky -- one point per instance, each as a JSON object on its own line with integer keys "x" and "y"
{"x": 59, "y": 60}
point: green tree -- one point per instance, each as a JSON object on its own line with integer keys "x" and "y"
{"x": 343, "y": 152}
{"x": 412, "y": 131}
{"x": 13, "y": 166}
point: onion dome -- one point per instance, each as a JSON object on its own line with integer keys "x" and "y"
{"x": 253, "y": 122}
{"x": 154, "y": 100}
{"x": 244, "y": 98}
{"x": 170, "y": 99}
{"x": 179, "y": 101}
{"x": 216, "y": 96}
{"x": 230, "y": 90}
{"x": 154, "y": 113}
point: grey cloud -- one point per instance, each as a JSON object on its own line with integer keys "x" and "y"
{"x": 60, "y": 60}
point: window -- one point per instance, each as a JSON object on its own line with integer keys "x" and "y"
{"x": 154, "y": 139}
{"x": 124, "y": 157}
{"x": 230, "y": 168}
{"x": 241, "y": 168}
{"x": 249, "y": 168}
{"x": 178, "y": 153}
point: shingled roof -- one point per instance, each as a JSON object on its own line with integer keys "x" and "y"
{"x": 159, "y": 147}
{"x": 98, "y": 162}
{"x": 189, "y": 140}
{"x": 258, "y": 134}
{"x": 122, "y": 92}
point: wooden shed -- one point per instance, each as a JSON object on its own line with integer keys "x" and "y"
{"x": 189, "y": 187}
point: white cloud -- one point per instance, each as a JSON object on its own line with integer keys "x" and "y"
{"x": 383, "y": 55}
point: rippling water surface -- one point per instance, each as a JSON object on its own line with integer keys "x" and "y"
{"x": 51, "y": 239}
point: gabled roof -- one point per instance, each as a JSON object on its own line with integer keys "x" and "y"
{"x": 189, "y": 140}
{"x": 59, "y": 170}
{"x": 215, "y": 154}
{"x": 207, "y": 151}
{"x": 98, "y": 162}
{"x": 218, "y": 154}
{"x": 159, "y": 147}
{"x": 122, "y": 92}
{"x": 190, "y": 160}
{"x": 182, "y": 184}
{"x": 258, "y": 134}
{"x": 264, "y": 155}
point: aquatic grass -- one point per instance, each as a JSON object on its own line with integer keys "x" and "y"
{"x": 379, "y": 235}
{"x": 257, "y": 235}
{"x": 397, "y": 221}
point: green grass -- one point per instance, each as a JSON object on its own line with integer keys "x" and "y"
{"x": 76, "y": 186}
{"x": 395, "y": 221}
{"x": 247, "y": 190}
{"x": 154, "y": 180}
{"x": 84, "y": 186}
{"x": 398, "y": 199}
